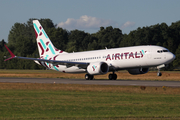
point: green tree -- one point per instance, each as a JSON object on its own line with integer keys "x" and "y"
{"x": 176, "y": 62}
{"x": 2, "y": 45}
{"x": 21, "y": 40}
{"x": 128, "y": 40}
{"x": 109, "y": 37}
{"x": 59, "y": 37}
{"x": 76, "y": 39}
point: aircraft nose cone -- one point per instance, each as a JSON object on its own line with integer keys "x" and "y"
{"x": 172, "y": 57}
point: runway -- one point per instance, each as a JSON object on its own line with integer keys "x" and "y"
{"x": 92, "y": 82}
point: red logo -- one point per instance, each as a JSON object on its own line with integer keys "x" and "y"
{"x": 94, "y": 67}
{"x": 126, "y": 55}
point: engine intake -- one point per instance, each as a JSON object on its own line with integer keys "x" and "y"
{"x": 137, "y": 71}
{"x": 97, "y": 68}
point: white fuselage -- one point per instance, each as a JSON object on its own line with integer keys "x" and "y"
{"x": 118, "y": 58}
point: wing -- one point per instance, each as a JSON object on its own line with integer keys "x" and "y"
{"x": 54, "y": 62}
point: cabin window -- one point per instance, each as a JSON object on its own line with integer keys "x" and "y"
{"x": 159, "y": 51}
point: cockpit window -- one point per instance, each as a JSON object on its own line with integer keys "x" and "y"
{"x": 165, "y": 51}
{"x": 160, "y": 51}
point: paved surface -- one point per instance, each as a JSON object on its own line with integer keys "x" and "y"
{"x": 95, "y": 82}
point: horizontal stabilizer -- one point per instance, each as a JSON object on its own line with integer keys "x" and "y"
{"x": 11, "y": 53}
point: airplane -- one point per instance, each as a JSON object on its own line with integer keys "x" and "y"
{"x": 135, "y": 59}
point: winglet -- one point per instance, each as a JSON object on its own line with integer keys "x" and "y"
{"x": 12, "y": 55}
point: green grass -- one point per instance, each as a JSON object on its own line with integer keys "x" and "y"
{"x": 122, "y": 75}
{"x": 50, "y": 101}
{"x": 17, "y": 71}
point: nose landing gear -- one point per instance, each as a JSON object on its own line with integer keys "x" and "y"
{"x": 159, "y": 73}
{"x": 159, "y": 67}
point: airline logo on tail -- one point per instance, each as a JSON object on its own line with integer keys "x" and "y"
{"x": 44, "y": 43}
{"x": 39, "y": 31}
{"x": 45, "y": 47}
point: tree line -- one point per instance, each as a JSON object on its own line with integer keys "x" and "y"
{"x": 22, "y": 41}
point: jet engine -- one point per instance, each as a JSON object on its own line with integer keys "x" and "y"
{"x": 97, "y": 68}
{"x": 136, "y": 71}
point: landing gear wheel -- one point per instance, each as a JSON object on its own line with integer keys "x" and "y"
{"x": 89, "y": 77}
{"x": 112, "y": 76}
{"x": 159, "y": 74}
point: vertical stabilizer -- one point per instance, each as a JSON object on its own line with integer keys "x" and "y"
{"x": 44, "y": 44}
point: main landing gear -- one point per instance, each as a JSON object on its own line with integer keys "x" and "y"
{"x": 89, "y": 77}
{"x": 112, "y": 76}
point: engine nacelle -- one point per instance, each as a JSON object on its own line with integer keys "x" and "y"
{"x": 137, "y": 71}
{"x": 97, "y": 68}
